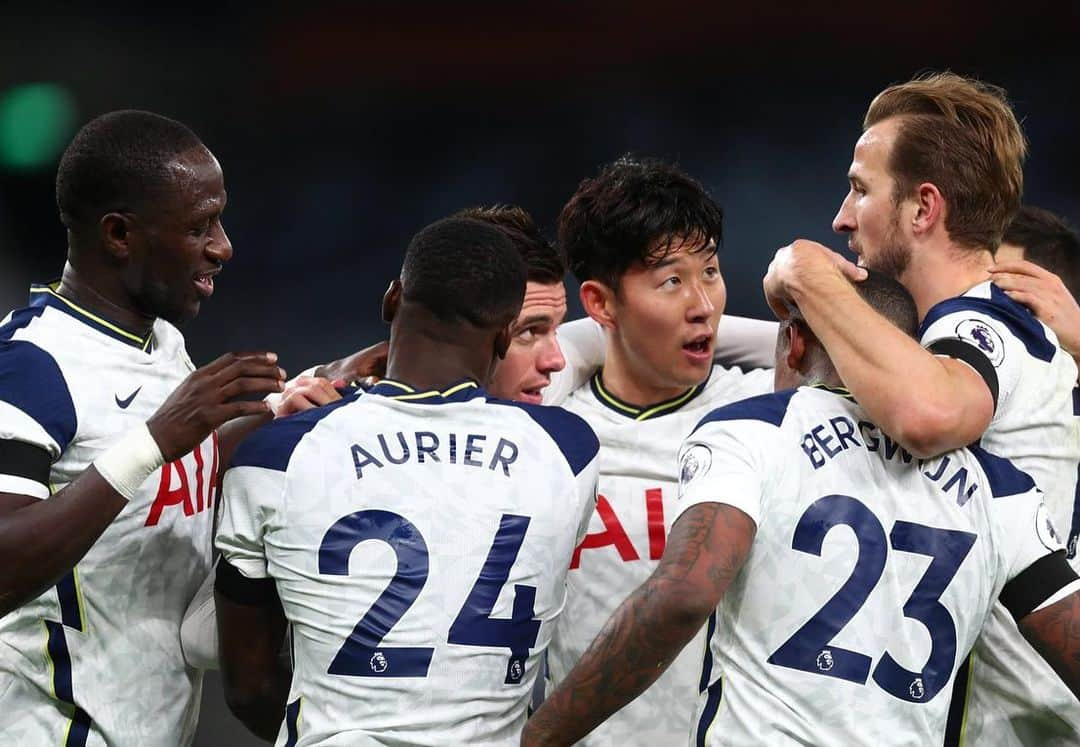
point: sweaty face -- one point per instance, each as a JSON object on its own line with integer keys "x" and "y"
{"x": 869, "y": 214}
{"x": 534, "y": 352}
{"x": 180, "y": 244}
{"x": 666, "y": 317}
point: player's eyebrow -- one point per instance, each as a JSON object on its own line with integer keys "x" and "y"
{"x": 534, "y": 319}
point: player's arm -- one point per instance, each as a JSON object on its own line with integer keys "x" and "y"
{"x": 251, "y": 628}
{"x": 1054, "y": 631}
{"x": 928, "y": 403}
{"x": 41, "y": 540}
{"x": 706, "y": 549}
{"x": 744, "y": 342}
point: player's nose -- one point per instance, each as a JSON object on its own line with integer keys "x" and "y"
{"x": 701, "y": 304}
{"x": 219, "y": 248}
{"x": 551, "y": 357}
{"x": 844, "y": 222}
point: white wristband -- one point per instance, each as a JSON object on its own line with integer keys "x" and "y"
{"x": 126, "y": 464}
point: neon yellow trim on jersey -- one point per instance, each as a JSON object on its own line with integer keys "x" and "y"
{"x": 432, "y": 393}
{"x": 299, "y": 717}
{"x": 669, "y": 405}
{"x": 79, "y": 599}
{"x": 49, "y": 661}
{"x": 967, "y": 699}
{"x": 398, "y": 384}
{"x": 95, "y": 317}
{"x": 614, "y": 402}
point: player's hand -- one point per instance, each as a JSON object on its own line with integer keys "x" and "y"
{"x": 306, "y": 392}
{"x": 369, "y": 364}
{"x": 1045, "y": 294}
{"x": 795, "y": 263}
{"x": 208, "y": 398}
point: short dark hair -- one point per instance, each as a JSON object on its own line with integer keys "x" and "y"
{"x": 1048, "y": 241}
{"x": 890, "y": 299}
{"x": 118, "y": 161}
{"x": 545, "y": 264}
{"x": 615, "y": 219}
{"x": 464, "y": 270}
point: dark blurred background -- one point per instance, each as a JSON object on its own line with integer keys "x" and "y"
{"x": 344, "y": 128}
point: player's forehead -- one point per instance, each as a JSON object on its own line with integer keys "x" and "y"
{"x": 196, "y": 183}
{"x": 674, "y": 250}
{"x": 872, "y": 149}
{"x": 543, "y": 299}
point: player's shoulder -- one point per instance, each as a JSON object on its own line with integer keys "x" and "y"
{"x": 1004, "y": 477}
{"x": 770, "y": 408}
{"x": 272, "y": 445}
{"x": 575, "y": 438}
{"x": 987, "y": 318}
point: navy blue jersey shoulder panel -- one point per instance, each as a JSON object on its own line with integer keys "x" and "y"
{"x": 768, "y": 408}
{"x": 1005, "y": 479}
{"x": 272, "y": 446}
{"x": 574, "y": 437}
{"x": 30, "y": 379}
{"x": 1021, "y": 322}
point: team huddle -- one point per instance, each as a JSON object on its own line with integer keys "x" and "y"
{"x": 655, "y": 525}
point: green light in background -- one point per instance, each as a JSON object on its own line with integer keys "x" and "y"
{"x": 36, "y": 121}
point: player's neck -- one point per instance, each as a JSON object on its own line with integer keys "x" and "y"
{"x": 948, "y": 272}
{"x": 622, "y": 379}
{"x": 434, "y": 355}
{"x": 101, "y": 298}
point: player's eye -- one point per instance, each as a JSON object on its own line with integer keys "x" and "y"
{"x": 527, "y": 335}
{"x": 671, "y": 282}
{"x": 202, "y": 229}
{"x": 712, "y": 272}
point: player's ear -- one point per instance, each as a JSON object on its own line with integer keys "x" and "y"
{"x": 115, "y": 233}
{"x": 598, "y": 301}
{"x": 796, "y": 346}
{"x": 391, "y": 301}
{"x": 929, "y": 208}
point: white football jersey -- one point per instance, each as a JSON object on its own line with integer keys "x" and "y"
{"x": 1013, "y": 697}
{"x": 431, "y": 633}
{"x": 635, "y": 507}
{"x": 97, "y": 659}
{"x": 870, "y": 576}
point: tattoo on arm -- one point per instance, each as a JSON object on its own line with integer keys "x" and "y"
{"x": 706, "y": 549}
{"x": 1055, "y": 634}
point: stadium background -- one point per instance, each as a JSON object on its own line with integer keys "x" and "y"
{"x": 342, "y": 129}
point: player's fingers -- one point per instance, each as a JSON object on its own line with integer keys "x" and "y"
{"x": 1032, "y": 300}
{"x": 293, "y": 404}
{"x": 847, "y": 268}
{"x": 232, "y": 410}
{"x": 249, "y": 385}
{"x": 1020, "y": 267}
{"x": 224, "y": 361}
{"x": 319, "y": 392}
{"x": 259, "y": 369}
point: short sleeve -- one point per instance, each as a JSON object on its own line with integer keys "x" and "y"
{"x": 245, "y": 495}
{"x": 36, "y": 413}
{"x": 993, "y": 336}
{"x": 725, "y": 462}
{"x": 747, "y": 343}
{"x": 1026, "y": 531}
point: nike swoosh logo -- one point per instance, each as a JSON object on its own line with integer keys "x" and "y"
{"x": 123, "y": 403}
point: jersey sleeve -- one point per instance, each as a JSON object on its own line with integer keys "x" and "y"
{"x": 587, "y": 482}
{"x": 37, "y": 417}
{"x": 246, "y": 492}
{"x": 746, "y": 343}
{"x": 993, "y": 340}
{"x": 583, "y": 345}
{"x": 726, "y": 462}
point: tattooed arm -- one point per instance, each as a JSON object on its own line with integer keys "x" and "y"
{"x": 707, "y": 547}
{"x": 1054, "y": 632}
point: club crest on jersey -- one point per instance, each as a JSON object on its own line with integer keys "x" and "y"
{"x": 1044, "y": 527}
{"x": 984, "y": 338}
{"x": 825, "y": 660}
{"x": 378, "y": 663}
{"x": 695, "y": 463}
{"x": 917, "y": 690}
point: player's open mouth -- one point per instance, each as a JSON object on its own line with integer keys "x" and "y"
{"x": 699, "y": 348}
{"x": 534, "y": 395}
{"x": 204, "y": 283}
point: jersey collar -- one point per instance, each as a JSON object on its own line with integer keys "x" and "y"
{"x": 460, "y": 392}
{"x": 46, "y": 295}
{"x": 842, "y": 391}
{"x": 647, "y": 412}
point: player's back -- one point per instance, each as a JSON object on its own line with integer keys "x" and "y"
{"x": 419, "y": 543}
{"x": 869, "y": 579}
